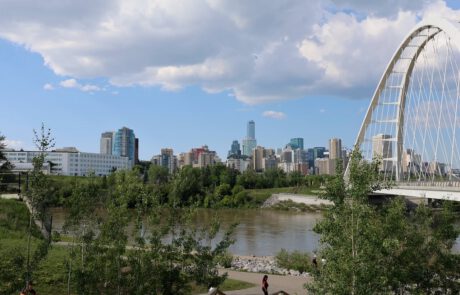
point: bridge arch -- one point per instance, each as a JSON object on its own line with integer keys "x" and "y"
{"x": 393, "y": 90}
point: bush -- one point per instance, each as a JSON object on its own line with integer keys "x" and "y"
{"x": 225, "y": 260}
{"x": 296, "y": 260}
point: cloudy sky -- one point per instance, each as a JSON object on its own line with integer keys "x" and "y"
{"x": 193, "y": 72}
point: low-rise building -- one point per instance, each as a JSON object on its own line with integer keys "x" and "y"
{"x": 71, "y": 162}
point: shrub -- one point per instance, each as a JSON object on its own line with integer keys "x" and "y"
{"x": 296, "y": 260}
{"x": 225, "y": 260}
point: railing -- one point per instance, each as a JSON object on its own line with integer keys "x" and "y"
{"x": 452, "y": 184}
{"x": 13, "y": 182}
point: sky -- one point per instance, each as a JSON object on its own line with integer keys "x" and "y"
{"x": 182, "y": 74}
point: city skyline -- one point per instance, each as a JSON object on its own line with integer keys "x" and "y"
{"x": 283, "y": 79}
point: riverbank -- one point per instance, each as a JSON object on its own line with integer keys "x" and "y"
{"x": 262, "y": 264}
{"x": 310, "y": 201}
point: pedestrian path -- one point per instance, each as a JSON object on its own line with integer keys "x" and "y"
{"x": 290, "y": 284}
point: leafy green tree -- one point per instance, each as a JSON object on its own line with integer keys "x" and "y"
{"x": 81, "y": 223}
{"x": 187, "y": 187}
{"x": 158, "y": 175}
{"x": 5, "y": 165}
{"x": 38, "y": 197}
{"x": 248, "y": 179}
{"x": 372, "y": 250}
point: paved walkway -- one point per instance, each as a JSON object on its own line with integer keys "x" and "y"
{"x": 290, "y": 284}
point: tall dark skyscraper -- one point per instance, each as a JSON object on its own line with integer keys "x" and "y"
{"x": 235, "y": 149}
{"x": 136, "y": 150}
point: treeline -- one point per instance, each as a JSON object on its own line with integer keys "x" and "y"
{"x": 210, "y": 187}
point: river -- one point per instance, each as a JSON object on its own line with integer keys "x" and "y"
{"x": 260, "y": 232}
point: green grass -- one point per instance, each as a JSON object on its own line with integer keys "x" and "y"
{"x": 228, "y": 285}
{"x": 261, "y": 195}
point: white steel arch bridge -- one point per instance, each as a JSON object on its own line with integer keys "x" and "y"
{"x": 412, "y": 122}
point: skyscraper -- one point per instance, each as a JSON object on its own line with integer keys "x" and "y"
{"x": 235, "y": 150}
{"x": 296, "y": 143}
{"x": 124, "y": 143}
{"x": 136, "y": 150}
{"x": 251, "y": 130}
{"x": 166, "y": 159}
{"x": 382, "y": 148}
{"x": 106, "y": 143}
{"x": 250, "y": 142}
{"x": 335, "y": 148}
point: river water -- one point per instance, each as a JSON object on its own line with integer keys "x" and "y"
{"x": 260, "y": 232}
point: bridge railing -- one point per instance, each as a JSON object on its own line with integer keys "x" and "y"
{"x": 453, "y": 184}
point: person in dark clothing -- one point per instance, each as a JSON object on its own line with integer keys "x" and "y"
{"x": 30, "y": 289}
{"x": 265, "y": 285}
{"x": 315, "y": 263}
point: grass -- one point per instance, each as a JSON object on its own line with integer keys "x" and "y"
{"x": 228, "y": 285}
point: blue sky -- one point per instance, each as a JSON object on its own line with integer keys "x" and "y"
{"x": 205, "y": 92}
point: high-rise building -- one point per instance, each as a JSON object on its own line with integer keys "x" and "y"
{"x": 335, "y": 148}
{"x": 318, "y": 152}
{"x": 166, "y": 159}
{"x": 382, "y": 149}
{"x": 258, "y": 155}
{"x": 235, "y": 150}
{"x": 251, "y": 130}
{"x": 106, "y": 143}
{"x": 124, "y": 143}
{"x": 200, "y": 157}
{"x": 250, "y": 142}
{"x": 296, "y": 143}
{"x": 325, "y": 166}
{"x": 136, "y": 150}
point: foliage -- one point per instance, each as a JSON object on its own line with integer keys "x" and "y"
{"x": 290, "y": 205}
{"x": 295, "y": 260}
{"x": 14, "y": 230}
{"x": 372, "y": 250}
{"x": 169, "y": 260}
{"x": 225, "y": 259}
{"x": 5, "y": 165}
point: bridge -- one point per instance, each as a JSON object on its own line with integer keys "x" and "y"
{"x": 411, "y": 125}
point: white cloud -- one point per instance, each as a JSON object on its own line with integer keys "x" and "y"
{"x": 274, "y": 115}
{"x": 72, "y": 83}
{"x": 69, "y": 83}
{"x": 48, "y": 86}
{"x": 261, "y": 51}
{"x": 13, "y": 144}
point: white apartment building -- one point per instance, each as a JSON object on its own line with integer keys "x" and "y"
{"x": 239, "y": 164}
{"x": 71, "y": 162}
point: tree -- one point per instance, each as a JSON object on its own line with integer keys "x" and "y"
{"x": 38, "y": 196}
{"x": 165, "y": 256}
{"x": 372, "y": 250}
{"x": 5, "y": 165}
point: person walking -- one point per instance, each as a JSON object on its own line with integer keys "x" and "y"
{"x": 265, "y": 285}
